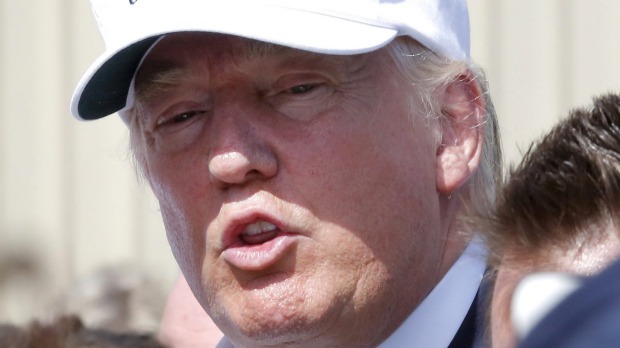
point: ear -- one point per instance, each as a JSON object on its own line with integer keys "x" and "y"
{"x": 462, "y": 133}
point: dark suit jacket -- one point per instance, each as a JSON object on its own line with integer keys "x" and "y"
{"x": 472, "y": 333}
{"x": 588, "y": 318}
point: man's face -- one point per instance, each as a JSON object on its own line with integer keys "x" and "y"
{"x": 298, "y": 190}
{"x": 587, "y": 255}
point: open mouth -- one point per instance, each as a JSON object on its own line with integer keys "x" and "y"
{"x": 258, "y": 246}
{"x": 259, "y": 232}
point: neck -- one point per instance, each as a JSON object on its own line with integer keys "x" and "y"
{"x": 456, "y": 237}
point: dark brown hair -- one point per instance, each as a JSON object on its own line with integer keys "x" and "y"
{"x": 567, "y": 182}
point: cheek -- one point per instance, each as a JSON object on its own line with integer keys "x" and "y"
{"x": 376, "y": 182}
{"x": 179, "y": 216}
{"x": 372, "y": 174}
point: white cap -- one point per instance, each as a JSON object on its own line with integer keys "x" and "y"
{"x": 130, "y": 27}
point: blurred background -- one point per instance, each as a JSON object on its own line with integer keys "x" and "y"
{"x": 77, "y": 229}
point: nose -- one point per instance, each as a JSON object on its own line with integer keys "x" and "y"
{"x": 240, "y": 150}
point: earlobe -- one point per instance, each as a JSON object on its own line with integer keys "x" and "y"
{"x": 462, "y": 133}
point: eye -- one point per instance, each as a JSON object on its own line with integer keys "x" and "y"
{"x": 300, "y": 89}
{"x": 180, "y": 118}
{"x": 177, "y": 129}
{"x": 301, "y": 96}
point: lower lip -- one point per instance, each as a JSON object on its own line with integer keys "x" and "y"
{"x": 259, "y": 256}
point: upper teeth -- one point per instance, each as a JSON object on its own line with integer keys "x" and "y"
{"x": 259, "y": 227}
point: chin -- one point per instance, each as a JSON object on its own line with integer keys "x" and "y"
{"x": 281, "y": 314}
{"x": 281, "y": 326}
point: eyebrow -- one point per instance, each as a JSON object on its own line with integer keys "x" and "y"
{"x": 165, "y": 75}
{"x": 157, "y": 78}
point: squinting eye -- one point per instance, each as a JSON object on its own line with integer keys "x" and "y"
{"x": 301, "y": 89}
{"x": 186, "y": 116}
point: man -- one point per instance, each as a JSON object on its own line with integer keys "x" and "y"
{"x": 311, "y": 160}
{"x": 557, "y": 213}
{"x": 589, "y": 317}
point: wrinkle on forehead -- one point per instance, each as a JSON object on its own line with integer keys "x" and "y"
{"x": 166, "y": 73}
{"x": 173, "y": 64}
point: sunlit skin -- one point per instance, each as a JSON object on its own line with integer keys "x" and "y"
{"x": 330, "y": 156}
{"x": 581, "y": 259}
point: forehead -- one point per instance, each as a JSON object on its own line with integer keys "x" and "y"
{"x": 205, "y": 57}
{"x": 217, "y": 45}
{"x": 191, "y": 50}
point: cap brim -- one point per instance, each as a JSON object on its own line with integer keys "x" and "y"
{"x": 103, "y": 88}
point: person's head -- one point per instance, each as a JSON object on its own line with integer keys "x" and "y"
{"x": 559, "y": 209}
{"x": 310, "y": 177}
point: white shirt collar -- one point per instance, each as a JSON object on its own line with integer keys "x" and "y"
{"x": 435, "y": 322}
